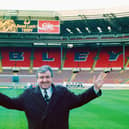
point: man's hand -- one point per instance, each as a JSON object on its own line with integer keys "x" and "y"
{"x": 99, "y": 81}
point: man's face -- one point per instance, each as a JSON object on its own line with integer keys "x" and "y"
{"x": 44, "y": 79}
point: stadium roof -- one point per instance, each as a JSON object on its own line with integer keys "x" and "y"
{"x": 58, "y": 5}
{"x": 83, "y": 26}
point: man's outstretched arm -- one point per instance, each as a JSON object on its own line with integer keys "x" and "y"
{"x": 10, "y": 103}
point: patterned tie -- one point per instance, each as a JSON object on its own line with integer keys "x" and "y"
{"x": 46, "y": 97}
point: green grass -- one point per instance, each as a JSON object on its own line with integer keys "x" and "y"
{"x": 110, "y": 111}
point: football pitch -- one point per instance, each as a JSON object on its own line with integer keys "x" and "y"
{"x": 110, "y": 111}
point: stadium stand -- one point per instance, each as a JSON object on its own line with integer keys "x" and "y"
{"x": 49, "y": 56}
{"x": 15, "y": 57}
{"x": 84, "y": 46}
{"x": 110, "y": 57}
{"x": 113, "y": 77}
{"x": 81, "y": 57}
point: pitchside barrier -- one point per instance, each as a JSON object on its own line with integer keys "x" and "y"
{"x": 71, "y": 85}
{"x": 80, "y": 85}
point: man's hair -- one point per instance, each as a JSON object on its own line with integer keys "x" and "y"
{"x": 43, "y": 69}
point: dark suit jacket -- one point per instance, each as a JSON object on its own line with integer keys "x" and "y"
{"x": 47, "y": 116}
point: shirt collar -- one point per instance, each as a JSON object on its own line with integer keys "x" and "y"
{"x": 49, "y": 91}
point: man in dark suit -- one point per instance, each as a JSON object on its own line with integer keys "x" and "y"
{"x": 47, "y": 106}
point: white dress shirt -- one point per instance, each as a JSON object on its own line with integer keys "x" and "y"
{"x": 49, "y": 92}
{"x": 96, "y": 90}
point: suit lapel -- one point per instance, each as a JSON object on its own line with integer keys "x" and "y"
{"x": 38, "y": 98}
{"x": 54, "y": 97}
{"x": 54, "y": 100}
